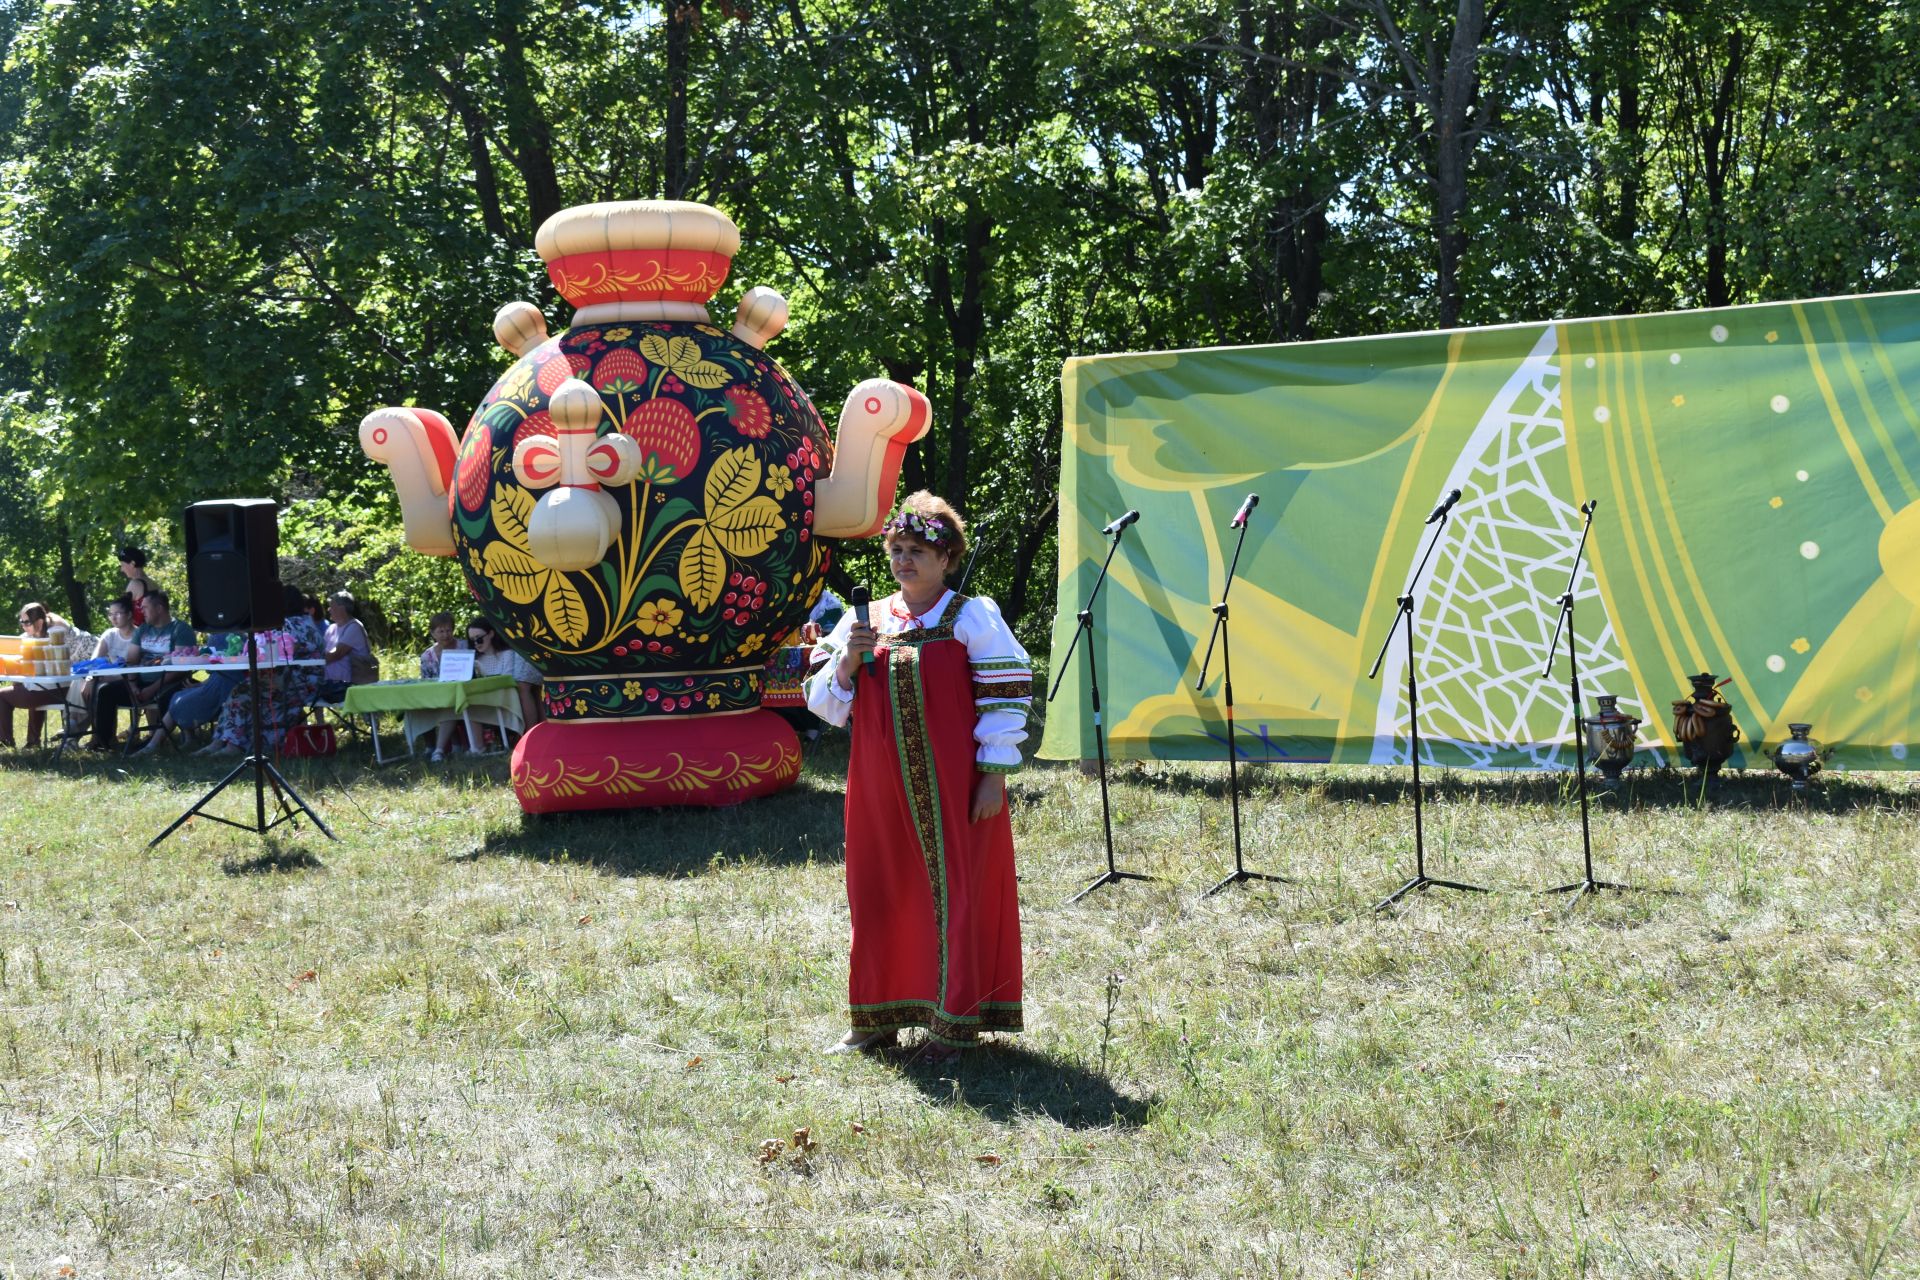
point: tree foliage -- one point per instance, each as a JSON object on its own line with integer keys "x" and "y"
{"x": 228, "y": 229}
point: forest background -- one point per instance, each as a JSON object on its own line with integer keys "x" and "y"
{"x": 229, "y": 228}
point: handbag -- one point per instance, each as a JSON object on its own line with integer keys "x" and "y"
{"x": 307, "y": 740}
{"x": 365, "y": 669}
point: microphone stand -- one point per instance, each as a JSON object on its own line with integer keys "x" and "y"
{"x": 264, "y": 774}
{"x": 972, "y": 560}
{"x": 1240, "y": 873}
{"x": 1421, "y": 881}
{"x": 1111, "y": 875}
{"x": 1586, "y": 884}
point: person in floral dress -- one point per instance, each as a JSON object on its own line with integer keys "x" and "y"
{"x": 284, "y": 692}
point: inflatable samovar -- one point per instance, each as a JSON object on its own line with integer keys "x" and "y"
{"x": 645, "y": 505}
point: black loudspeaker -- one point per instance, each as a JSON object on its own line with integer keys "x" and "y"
{"x": 233, "y": 564}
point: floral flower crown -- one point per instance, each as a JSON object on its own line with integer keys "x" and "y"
{"x": 930, "y": 528}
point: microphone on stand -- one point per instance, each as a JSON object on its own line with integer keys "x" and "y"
{"x": 1121, "y": 523}
{"x": 1246, "y": 509}
{"x": 1445, "y": 506}
{"x": 861, "y": 599}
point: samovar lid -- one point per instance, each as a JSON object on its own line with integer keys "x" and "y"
{"x": 628, "y": 251}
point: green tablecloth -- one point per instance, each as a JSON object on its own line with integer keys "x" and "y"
{"x": 392, "y": 696}
{"x": 423, "y": 705}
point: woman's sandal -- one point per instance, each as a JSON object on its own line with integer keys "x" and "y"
{"x": 932, "y": 1051}
{"x": 864, "y": 1042}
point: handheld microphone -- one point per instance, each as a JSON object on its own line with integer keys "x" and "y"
{"x": 1444, "y": 507}
{"x": 861, "y": 599}
{"x": 1121, "y": 523}
{"x": 1246, "y": 508}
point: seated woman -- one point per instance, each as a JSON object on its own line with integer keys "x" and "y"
{"x": 285, "y": 692}
{"x": 119, "y": 638}
{"x": 118, "y": 645}
{"x": 440, "y": 631}
{"x": 197, "y": 704}
{"x": 39, "y": 623}
{"x": 348, "y": 652}
{"x": 133, "y": 563}
{"x": 492, "y": 657}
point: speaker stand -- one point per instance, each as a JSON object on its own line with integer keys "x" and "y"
{"x": 264, "y": 775}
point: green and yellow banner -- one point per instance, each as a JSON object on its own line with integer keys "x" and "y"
{"x": 1757, "y": 471}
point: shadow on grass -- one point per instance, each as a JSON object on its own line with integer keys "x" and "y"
{"x": 802, "y": 825}
{"x": 189, "y": 771}
{"x": 349, "y": 771}
{"x": 825, "y": 767}
{"x": 1753, "y": 788}
{"x": 351, "y": 767}
{"x": 277, "y": 857}
{"x": 1008, "y": 1082}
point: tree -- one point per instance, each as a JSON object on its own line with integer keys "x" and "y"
{"x": 1448, "y": 109}
{"x": 231, "y": 229}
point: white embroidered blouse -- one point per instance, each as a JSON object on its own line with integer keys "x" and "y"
{"x": 505, "y": 662}
{"x": 995, "y": 656}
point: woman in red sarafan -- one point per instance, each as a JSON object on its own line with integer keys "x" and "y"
{"x": 938, "y": 716}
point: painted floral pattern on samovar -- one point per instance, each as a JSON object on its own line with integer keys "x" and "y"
{"x": 644, "y": 504}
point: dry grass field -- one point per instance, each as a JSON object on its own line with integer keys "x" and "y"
{"x": 460, "y": 1044}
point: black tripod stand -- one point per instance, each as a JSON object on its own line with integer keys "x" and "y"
{"x": 263, "y": 774}
{"x": 1111, "y": 875}
{"x": 1421, "y": 881}
{"x": 1586, "y": 884}
{"x": 1220, "y": 629}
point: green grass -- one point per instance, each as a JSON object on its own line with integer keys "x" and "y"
{"x": 460, "y": 1044}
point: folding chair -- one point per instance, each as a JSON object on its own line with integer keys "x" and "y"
{"x": 323, "y": 713}
{"x": 74, "y": 717}
{"x": 75, "y": 721}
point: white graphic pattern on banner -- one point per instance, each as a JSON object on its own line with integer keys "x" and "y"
{"x": 1486, "y": 606}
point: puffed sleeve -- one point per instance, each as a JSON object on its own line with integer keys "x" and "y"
{"x": 825, "y": 697}
{"x": 1002, "y": 685}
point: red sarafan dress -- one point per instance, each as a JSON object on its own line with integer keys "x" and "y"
{"x": 936, "y": 911}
